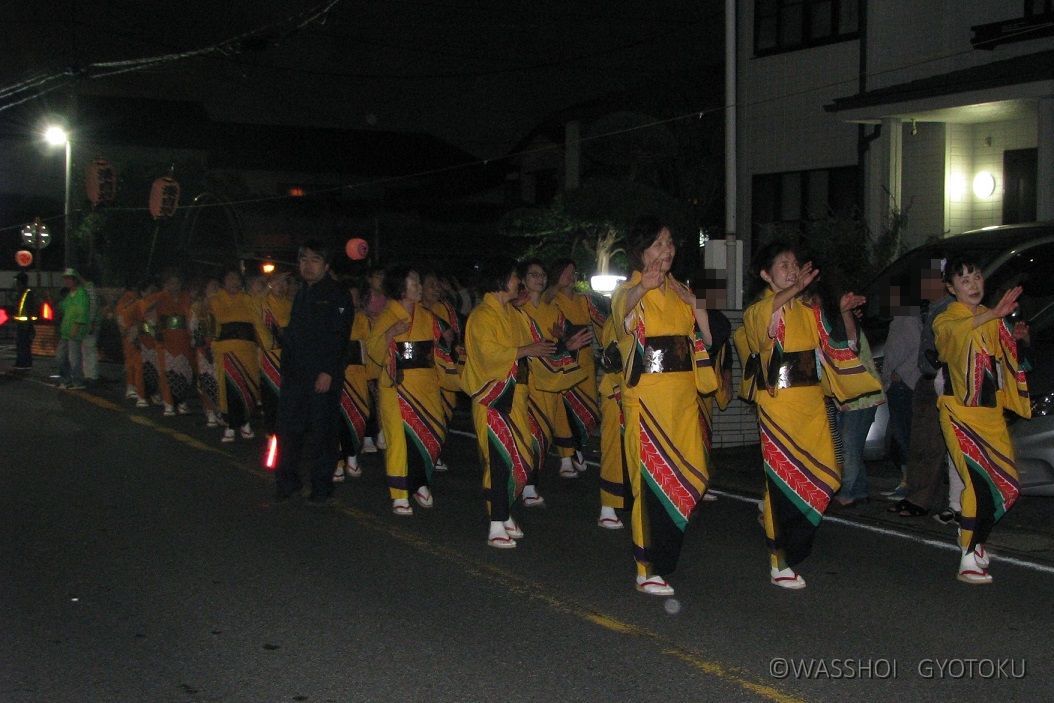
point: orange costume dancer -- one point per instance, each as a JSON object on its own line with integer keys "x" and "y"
{"x": 174, "y": 353}
{"x": 129, "y": 318}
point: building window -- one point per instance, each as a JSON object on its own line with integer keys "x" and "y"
{"x": 786, "y": 25}
{"x": 788, "y": 202}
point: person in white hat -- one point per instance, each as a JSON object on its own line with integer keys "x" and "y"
{"x": 72, "y": 330}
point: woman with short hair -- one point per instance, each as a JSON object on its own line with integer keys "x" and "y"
{"x": 663, "y": 330}
{"x": 497, "y": 345}
{"x": 403, "y": 343}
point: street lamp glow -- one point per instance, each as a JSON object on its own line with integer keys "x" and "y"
{"x": 605, "y": 283}
{"x": 55, "y": 135}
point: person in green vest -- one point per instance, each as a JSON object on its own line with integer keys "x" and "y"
{"x": 72, "y": 330}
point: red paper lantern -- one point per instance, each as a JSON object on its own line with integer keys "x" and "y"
{"x": 101, "y": 182}
{"x": 357, "y": 249}
{"x": 24, "y": 258}
{"x": 164, "y": 197}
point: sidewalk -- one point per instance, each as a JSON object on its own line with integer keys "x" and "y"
{"x": 1027, "y": 532}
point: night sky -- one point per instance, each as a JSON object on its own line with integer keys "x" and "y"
{"x": 479, "y": 74}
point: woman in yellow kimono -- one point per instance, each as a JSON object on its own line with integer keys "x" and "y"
{"x": 794, "y": 362}
{"x": 175, "y": 355}
{"x": 497, "y": 344}
{"x": 235, "y": 353}
{"x": 663, "y": 332}
{"x": 982, "y": 377}
{"x": 202, "y": 332}
{"x": 447, "y": 349}
{"x": 548, "y": 376}
{"x": 403, "y": 343}
{"x": 355, "y": 396}
{"x": 580, "y": 415}
{"x": 721, "y": 353}
{"x": 614, "y": 476}
{"x": 274, "y": 308}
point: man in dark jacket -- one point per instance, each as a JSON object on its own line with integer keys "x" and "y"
{"x": 313, "y": 359}
{"x": 25, "y": 319}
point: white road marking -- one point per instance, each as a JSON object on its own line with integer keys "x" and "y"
{"x": 918, "y": 539}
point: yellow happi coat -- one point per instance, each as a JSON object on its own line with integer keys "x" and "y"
{"x": 237, "y": 360}
{"x": 580, "y": 415}
{"x": 665, "y": 456}
{"x": 493, "y": 334}
{"x": 614, "y": 477}
{"x": 548, "y": 377}
{"x": 801, "y": 473}
{"x": 449, "y": 380}
{"x": 408, "y": 401}
{"x": 355, "y": 395}
{"x": 271, "y": 318}
{"x": 983, "y": 377}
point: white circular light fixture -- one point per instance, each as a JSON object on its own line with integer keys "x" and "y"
{"x": 983, "y": 185}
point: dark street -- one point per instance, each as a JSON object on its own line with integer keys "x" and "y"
{"x": 146, "y": 561}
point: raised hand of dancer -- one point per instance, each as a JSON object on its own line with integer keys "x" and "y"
{"x": 851, "y": 301}
{"x": 1008, "y": 303}
{"x": 652, "y": 275}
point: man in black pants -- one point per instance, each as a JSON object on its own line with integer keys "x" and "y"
{"x": 313, "y": 360}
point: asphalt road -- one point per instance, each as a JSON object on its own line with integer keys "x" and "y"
{"x": 144, "y": 561}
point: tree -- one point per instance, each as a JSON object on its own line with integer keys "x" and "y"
{"x": 590, "y": 224}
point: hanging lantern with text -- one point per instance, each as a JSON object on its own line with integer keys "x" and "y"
{"x": 164, "y": 197}
{"x": 101, "y": 182}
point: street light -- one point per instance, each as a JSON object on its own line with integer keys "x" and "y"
{"x": 57, "y": 136}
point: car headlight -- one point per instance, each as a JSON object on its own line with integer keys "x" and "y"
{"x": 1043, "y": 405}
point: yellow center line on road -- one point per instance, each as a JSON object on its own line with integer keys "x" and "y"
{"x": 515, "y": 583}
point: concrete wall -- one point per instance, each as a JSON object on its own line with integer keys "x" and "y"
{"x": 979, "y": 147}
{"x": 922, "y": 189}
{"x": 911, "y": 39}
{"x": 782, "y": 123}
{"x": 737, "y": 425}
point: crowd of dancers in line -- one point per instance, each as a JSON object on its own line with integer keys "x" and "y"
{"x": 545, "y": 367}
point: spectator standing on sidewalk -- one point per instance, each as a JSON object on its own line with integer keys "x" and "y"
{"x": 72, "y": 330}
{"x": 314, "y": 346}
{"x": 854, "y": 422}
{"x": 90, "y": 343}
{"x": 927, "y": 452}
{"x": 900, "y": 375}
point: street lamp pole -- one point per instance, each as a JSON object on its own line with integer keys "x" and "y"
{"x": 56, "y": 135}
{"x": 67, "y": 249}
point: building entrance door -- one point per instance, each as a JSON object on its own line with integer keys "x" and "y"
{"x": 1019, "y": 178}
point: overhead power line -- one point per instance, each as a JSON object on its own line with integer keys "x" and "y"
{"x": 271, "y": 33}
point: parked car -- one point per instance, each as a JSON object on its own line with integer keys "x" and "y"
{"x": 1010, "y": 255}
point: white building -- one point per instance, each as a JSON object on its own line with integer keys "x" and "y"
{"x": 943, "y": 108}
